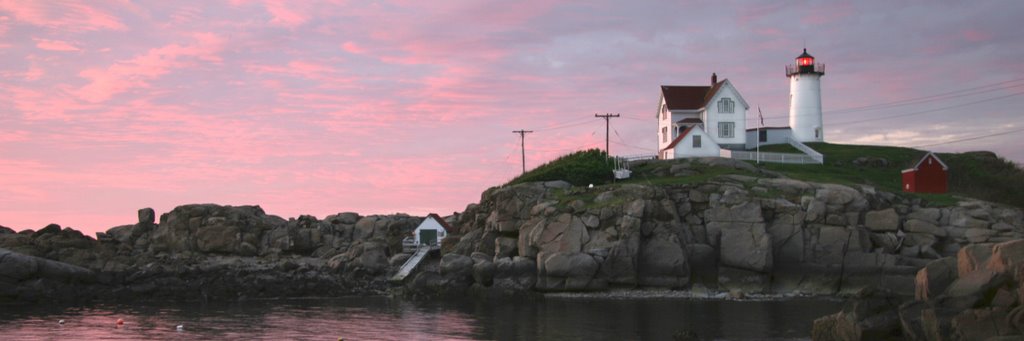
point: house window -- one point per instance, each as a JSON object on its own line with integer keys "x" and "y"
{"x": 817, "y": 132}
{"x": 696, "y": 141}
{"x": 762, "y": 136}
{"x": 726, "y": 129}
{"x": 664, "y": 111}
{"x": 726, "y": 105}
{"x": 664, "y": 134}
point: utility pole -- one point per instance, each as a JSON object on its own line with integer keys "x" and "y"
{"x": 606, "y": 118}
{"x": 522, "y": 143}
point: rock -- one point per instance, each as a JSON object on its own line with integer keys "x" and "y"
{"x": 749, "y": 212}
{"x": 147, "y": 216}
{"x": 663, "y": 264}
{"x": 742, "y": 280}
{"x": 972, "y": 257}
{"x": 565, "y": 271}
{"x": 979, "y": 235}
{"x": 914, "y": 225}
{"x": 398, "y": 259}
{"x": 565, "y": 233}
{"x": 1007, "y": 257}
{"x": 456, "y": 266}
{"x": 933, "y": 279}
{"x": 483, "y": 272}
{"x": 517, "y": 273}
{"x": 746, "y": 247}
{"x": 928, "y": 215}
{"x": 882, "y": 220}
{"x": 973, "y": 288}
{"x": 505, "y": 247}
{"x": 980, "y": 324}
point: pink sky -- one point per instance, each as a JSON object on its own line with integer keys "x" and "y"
{"x": 409, "y": 106}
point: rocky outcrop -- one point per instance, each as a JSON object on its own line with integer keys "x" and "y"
{"x": 982, "y": 302}
{"x": 205, "y": 252}
{"x": 733, "y": 233}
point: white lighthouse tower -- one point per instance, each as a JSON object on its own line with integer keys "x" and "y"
{"x": 805, "y": 99}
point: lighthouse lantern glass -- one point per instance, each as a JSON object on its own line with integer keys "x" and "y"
{"x": 805, "y": 61}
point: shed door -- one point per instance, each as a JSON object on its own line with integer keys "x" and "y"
{"x": 428, "y": 237}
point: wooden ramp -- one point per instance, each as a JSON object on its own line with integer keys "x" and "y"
{"x": 411, "y": 264}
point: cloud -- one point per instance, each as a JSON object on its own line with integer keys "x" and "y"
{"x": 68, "y": 15}
{"x": 55, "y": 45}
{"x": 138, "y": 71}
{"x": 284, "y": 13}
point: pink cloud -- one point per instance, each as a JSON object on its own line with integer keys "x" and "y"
{"x": 55, "y": 45}
{"x": 352, "y": 47}
{"x": 975, "y": 35}
{"x": 67, "y": 15}
{"x": 136, "y": 72}
{"x": 284, "y": 13}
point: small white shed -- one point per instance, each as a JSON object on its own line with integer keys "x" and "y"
{"x": 432, "y": 230}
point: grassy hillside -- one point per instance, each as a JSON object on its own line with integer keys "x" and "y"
{"x": 580, "y": 169}
{"x": 981, "y": 175}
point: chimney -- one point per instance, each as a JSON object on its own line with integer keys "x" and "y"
{"x": 714, "y": 79}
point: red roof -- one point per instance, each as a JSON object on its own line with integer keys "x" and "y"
{"x": 441, "y": 221}
{"x": 680, "y": 138}
{"x": 688, "y": 97}
{"x": 918, "y": 165}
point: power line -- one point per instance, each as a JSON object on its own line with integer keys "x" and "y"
{"x": 928, "y": 111}
{"x": 971, "y": 138}
{"x": 522, "y": 143}
{"x": 607, "y": 124}
{"x": 957, "y": 93}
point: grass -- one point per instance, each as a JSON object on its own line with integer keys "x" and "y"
{"x": 580, "y": 169}
{"x": 981, "y": 175}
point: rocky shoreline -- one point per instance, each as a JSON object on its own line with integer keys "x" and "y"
{"x": 731, "y": 236}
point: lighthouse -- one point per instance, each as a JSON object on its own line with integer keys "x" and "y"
{"x": 805, "y": 98}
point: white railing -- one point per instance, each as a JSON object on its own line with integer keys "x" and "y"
{"x": 638, "y": 157}
{"x": 772, "y": 157}
{"x": 807, "y": 150}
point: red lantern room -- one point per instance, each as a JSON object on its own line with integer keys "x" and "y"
{"x": 805, "y": 64}
{"x": 805, "y": 59}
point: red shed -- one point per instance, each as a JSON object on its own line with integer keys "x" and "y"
{"x": 930, "y": 175}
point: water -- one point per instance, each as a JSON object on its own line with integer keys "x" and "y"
{"x": 381, "y": 318}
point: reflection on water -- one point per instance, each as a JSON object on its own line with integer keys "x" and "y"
{"x": 380, "y": 318}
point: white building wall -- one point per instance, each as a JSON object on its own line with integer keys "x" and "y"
{"x": 685, "y": 147}
{"x": 775, "y": 136}
{"x": 430, "y": 224}
{"x": 738, "y": 117}
{"x": 805, "y": 107}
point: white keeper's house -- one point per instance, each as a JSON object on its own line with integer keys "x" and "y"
{"x": 711, "y": 120}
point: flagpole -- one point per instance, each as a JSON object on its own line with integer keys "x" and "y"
{"x": 757, "y": 139}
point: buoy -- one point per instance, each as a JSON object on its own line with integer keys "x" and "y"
{"x": 61, "y": 322}
{"x": 180, "y": 328}
{"x": 120, "y": 322}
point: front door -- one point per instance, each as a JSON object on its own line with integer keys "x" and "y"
{"x": 428, "y": 237}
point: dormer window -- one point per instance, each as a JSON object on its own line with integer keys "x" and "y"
{"x": 726, "y": 105}
{"x": 664, "y": 111}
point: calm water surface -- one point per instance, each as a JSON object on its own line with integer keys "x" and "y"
{"x": 381, "y": 318}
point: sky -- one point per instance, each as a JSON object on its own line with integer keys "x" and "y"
{"x": 382, "y": 107}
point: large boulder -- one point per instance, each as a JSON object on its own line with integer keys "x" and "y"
{"x": 515, "y": 273}
{"x": 972, "y": 257}
{"x": 566, "y": 271}
{"x": 1007, "y": 256}
{"x": 882, "y": 220}
{"x": 746, "y": 246}
{"x": 933, "y": 279}
{"x": 974, "y": 288}
{"x": 663, "y": 263}
{"x": 457, "y": 267}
